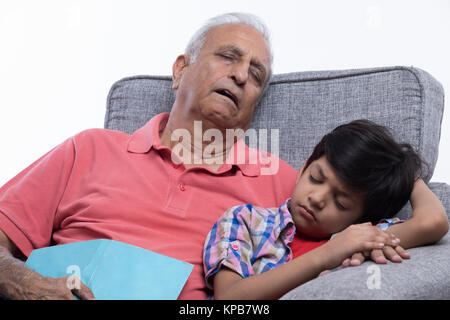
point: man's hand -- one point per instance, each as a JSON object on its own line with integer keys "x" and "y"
{"x": 395, "y": 254}
{"x": 46, "y": 288}
{"x": 20, "y": 282}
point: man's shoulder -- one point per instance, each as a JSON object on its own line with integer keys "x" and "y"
{"x": 96, "y": 133}
{"x": 100, "y": 136}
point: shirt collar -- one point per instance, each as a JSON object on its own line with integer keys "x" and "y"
{"x": 250, "y": 165}
{"x": 286, "y": 222}
{"x": 147, "y": 137}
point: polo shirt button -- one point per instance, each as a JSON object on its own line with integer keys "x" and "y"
{"x": 235, "y": 246}
{"x": 182, "y": 187}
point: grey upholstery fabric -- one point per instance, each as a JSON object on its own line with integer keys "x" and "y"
{"x": 304, "y": 106}
{"x": 424, "y": 276}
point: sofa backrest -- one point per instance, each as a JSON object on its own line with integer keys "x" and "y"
{"x": 304, "y": 106}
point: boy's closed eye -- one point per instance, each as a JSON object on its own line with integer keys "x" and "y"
{"x": 339, "y": 205}
{"x": 313, "y": 180}
{"x": 336, "y": 201}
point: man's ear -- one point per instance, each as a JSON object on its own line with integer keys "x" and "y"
{"x": 178, "y": 67}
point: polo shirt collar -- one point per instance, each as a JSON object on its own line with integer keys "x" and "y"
{"x": 147, "y": 137}
{"x": 250, "y": 166}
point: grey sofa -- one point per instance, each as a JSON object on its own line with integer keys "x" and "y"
{"x": 306, "y": 105}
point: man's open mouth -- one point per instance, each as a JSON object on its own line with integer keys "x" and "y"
{"x": 229, "y": 95}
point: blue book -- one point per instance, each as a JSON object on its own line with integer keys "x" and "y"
{"x": 114, "y": 270}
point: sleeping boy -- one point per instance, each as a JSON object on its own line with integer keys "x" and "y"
{"x": 357, "y": 175}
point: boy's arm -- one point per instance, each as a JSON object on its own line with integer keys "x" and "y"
{"x": 427, "y": 225}
{"x": 270, "y": 285}
{"x": 230, "y": 285}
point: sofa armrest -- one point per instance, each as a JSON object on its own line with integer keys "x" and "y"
{"x": 425, "y": 276}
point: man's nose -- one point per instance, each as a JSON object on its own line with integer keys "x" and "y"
{"x": 240, "y": 73}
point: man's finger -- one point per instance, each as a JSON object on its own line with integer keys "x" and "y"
{"x": 83, "y": 292}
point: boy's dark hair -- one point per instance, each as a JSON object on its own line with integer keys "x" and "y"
{"x": 369, "y": 160}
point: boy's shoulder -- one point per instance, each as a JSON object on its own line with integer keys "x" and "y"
{"x": 250, "y": 209}
{"x": 253, "y": 217}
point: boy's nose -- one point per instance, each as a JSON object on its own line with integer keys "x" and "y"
{"x": 317, "y": 198}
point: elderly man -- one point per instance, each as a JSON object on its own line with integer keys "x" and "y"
{"x": 137, "y": 189}
{"x": 106, "y": 184}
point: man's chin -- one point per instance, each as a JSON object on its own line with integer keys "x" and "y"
{"x": 220, "y": 118}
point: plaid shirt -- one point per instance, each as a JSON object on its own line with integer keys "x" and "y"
{"x": 249, "y": 240}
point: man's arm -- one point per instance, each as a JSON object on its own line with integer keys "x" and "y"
{"x": 20, "y": 282}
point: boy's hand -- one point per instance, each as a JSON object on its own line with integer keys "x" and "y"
{"x": 356, "y": 238}
{"x": 395, "y": 254}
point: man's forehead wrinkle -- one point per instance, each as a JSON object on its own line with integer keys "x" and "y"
{"x": 233, "y": 48}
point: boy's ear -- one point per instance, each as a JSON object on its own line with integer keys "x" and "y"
{"x": 178, "y": 67}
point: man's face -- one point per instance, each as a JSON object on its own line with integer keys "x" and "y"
{"x": 222, "y": 87}
{"x": 321, "y": 203}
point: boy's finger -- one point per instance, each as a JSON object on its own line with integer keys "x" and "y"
{"x": 387, "y": 240}
{"x": 394, "y": 239}
{"x": 346, "y": 263}
{"x": 372, "y": 245}
{"x": 391, "y": 254}
{"x": 402, "y": 252}
{"x": 357, "y": 259}
{"x": 378, "y": 256}
{"x": 324, "y": 273}
{"x": 387, "y": 237}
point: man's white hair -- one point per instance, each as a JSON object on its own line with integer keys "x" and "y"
{"x": 198, "y": 39}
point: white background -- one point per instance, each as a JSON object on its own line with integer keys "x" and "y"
{"x": 58, "y": 58}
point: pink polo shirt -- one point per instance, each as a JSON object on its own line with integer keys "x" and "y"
{"x": 103, "y": 184}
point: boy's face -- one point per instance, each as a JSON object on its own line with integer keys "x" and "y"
{"x": 322, "y": 204}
